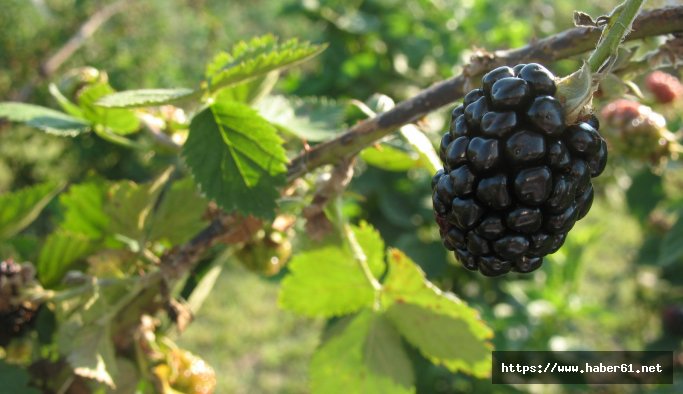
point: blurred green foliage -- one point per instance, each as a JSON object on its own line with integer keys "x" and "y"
{"x": 604, "y": 290}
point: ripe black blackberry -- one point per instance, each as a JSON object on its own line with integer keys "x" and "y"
{"x": 516, "y": 177}
{"x": 16, "y": 316}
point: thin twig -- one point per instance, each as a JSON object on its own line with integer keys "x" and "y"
{"x": 76, "y": 41}
{"x": 61, "y": 55}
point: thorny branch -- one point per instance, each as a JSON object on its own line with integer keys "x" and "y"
{"x": 562, "y": 45}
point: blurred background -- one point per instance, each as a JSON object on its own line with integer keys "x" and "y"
{"x": 617, "y": 284}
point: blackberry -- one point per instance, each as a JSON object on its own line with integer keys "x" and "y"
{"x": 516, "y": 177}
{"x": 16, "y": 315}
{"x": 672, "y": 320}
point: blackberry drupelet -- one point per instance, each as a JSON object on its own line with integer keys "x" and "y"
{"x": 516, "y": 177}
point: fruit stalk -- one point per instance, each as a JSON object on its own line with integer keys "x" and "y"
{"x": 575, "y": 91}
{"x": 618, "y": 26}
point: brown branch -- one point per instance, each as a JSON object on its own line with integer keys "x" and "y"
{"x": 229, "y": 229}
{"x": 317, "y": 224}
{"x": 562, "y": 45}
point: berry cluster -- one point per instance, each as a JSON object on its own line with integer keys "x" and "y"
{"x": 665, "y": 87}
{"x": 15, "y": 316}
{"x": 638, "y": 132}
{"x": 516, "y": 178}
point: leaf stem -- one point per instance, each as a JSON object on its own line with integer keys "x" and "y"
{"x": 362, "y": 261}
{"x": 618, "y": 26}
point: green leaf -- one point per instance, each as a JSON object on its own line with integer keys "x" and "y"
{"x": 84, "y": 323}
{"x": 90, "y": 351}
{"x": 15, "y": 379}
{"x": 325, "y": 282}
{"x": 372, "y": 244}
{"x": 144, "y": 98}
{"x": 328, "y": 281}
{"x": 69, "y": 107}
{"x": 118, "y": 121}
{"x": 111, "y": 136}
{"x": 205, "y": 281}
{"x": 646, "y": 190}
{"x": 364, "y": 356}
{"x": 129, "y": 206}
{"x": 179, "y": 215}
{"x": 20, "y": 208}
{"x": 389, "y": 158}
{"x": 236, "y": 158}
{"x": 429, "y": 159}
{"x": 57, "y": 256}
{"x": 252, "y": 91}
{"x": 46, "y": 119}
{"x": 671, "y": 249}
{"x": 256, "y": 58}
{"x": 84, "y": 210}
{"x": 440, "y": 325}
{"x": 385, "y": 355}
{"x": 311, "y": 118}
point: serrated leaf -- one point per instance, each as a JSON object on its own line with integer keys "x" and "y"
{"x": 372, "y": 244}
{"x": 311, "y": 118}
{"x": 671, "y": 249}
{"x": 256, "y": 58}
{"x": 84, "y": 323}
{"x": 15, "y": 379}
{"x": 89, "y": 350}
{"x": 117, "y": 120}
{"x": 389, "y": 158}
{"x": 352, "y": 362}
{"x": 60, "y": 251}
{"x": 46, "y": 119}
{"x": 328, "y": 281}
{"x": 129, "y": 206}
{"x": 83, "y": 336}
{"x": 144, "y": 98}
{"x": 179, "y": 215}
{"x": 84, "y": 210}
{"x": 325, "y": 282}
{"x": 236, "y": 158}
{"x": 20, "y": 208}
{"x": 252, "y": 91}
{"x": 440, "y": 325}
{"x": 385, "y": 355}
